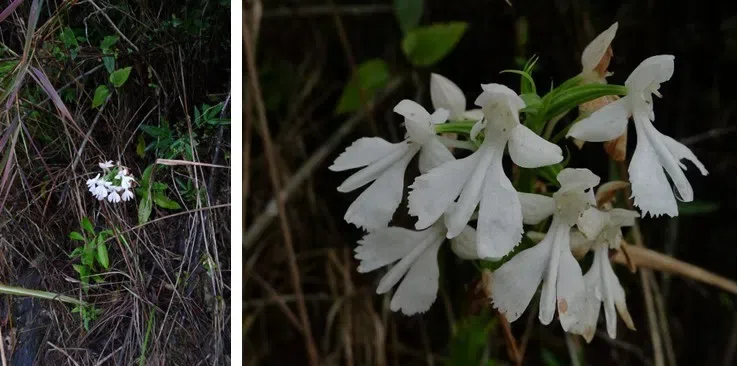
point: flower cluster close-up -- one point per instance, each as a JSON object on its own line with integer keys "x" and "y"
{"x": 464, "y": 194}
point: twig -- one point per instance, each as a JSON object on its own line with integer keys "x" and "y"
{"x": 664, "y": 326}
{"x": 644, "y": 273}
{"x": 306, "y": 170}
{"x": 256, "y": 94}
{"x": 115, "y": 28}
{"x": 513, "y": 351}
{"x": 172, "y": 162}
{"x": 646, "y": 258}
{"x": 710, "y": 134}
{"x": 307, "y": 11}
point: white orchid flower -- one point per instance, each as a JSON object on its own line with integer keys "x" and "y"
{"x": 106, "y": 165}
{"x": 92, "y": 182}
{"x": 550, "y": 262}
{"x": 415, "y": 266}
{"x": 445, "y": 94}
{"x": 597, "y": 55}
{"x": 415, "y": 253}
{"x": 114, "y": 197}
{"x": 127, "y": 195}
{"x": 100, "y": 192}
{"x": 601, "y": 230}
{"x": 655, "y": 153}
{"x": 479, "y": 178}
{"x": 385, "y": 165}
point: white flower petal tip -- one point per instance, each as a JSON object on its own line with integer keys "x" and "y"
{"x": 440, "y": 116}
{"x": 605, "y": 124}
{"x": 597, "y": 48}
{"x": 106, "y": 165}
{"x": 529, "y": 150}
{"x": 363, "y": 152}
{"x": 114, "y": 197}
{"x": 127, "y": 195}
{"x": 650, "y": 73}
{"x": 447, "y": 95}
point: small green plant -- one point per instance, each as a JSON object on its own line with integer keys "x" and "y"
{"x": 152, "y": 193}
{"x": 168, "y": 142}
{"x": 93, "y": 253}
{"x": 88, "y": 313}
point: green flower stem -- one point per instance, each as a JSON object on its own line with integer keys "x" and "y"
{"x": 19, "y": 291}
{"x": 455, "y": 127}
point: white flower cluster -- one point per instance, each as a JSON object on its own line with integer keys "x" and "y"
{"x": 115, "y": 183}
{"x": 450, "y": 193}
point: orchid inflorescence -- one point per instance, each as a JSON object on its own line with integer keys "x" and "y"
{"x": 114, "y": 183}
{"x": 472, "y": 202}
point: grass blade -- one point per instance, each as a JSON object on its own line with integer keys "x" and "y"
{"x": 10, "y": 9}
{"x": 43, "y": 81}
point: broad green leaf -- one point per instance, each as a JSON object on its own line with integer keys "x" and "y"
{"x": 163, "y": 201}
{"x": 119, "y": 77}
{"x": 76, "y": 236}
{"x": 101, "y": 94}
{"x": 426, "y": 46}
{"x": 371, "y": 76}
{"x": 140, "y": 146}
{"x": 103, "y": 255}
{"x": 107, "y": 43}
{"x": 87, "y": 225}
{"x": 697, "y": 207}
{"x": 409, "y": 13}
{"x": 109, "y": 63}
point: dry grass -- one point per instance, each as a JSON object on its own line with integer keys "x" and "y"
{"x": 164, "y": 298}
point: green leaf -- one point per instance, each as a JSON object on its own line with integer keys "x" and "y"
{"x": 527, "y": 82}
{"x": 82, "y": 270}
{"x": 371, "y": 76}
{"x": 109, "y": 63}
{"x": 103, "y": 255}
{"x": 107, "y": 43}
{"x": 467, "y": 345}
{"x": 119, "y": 77}
{"x": 425, "y": 46}
{"x": 140, "y": 146}
{"x": 101, "y": 94}
{"x": 68, "y": 38}
{"x": 76, "y": 236}
{"x": 76, "y": 252}
{"x": 87, "y": 225}
{"x": 697, "y": 207}
{"x": 409, "y": 13}
{"x": 144, "y": 208}
{"x": 163, "y": 201}
{"x": 145, "y": 205}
